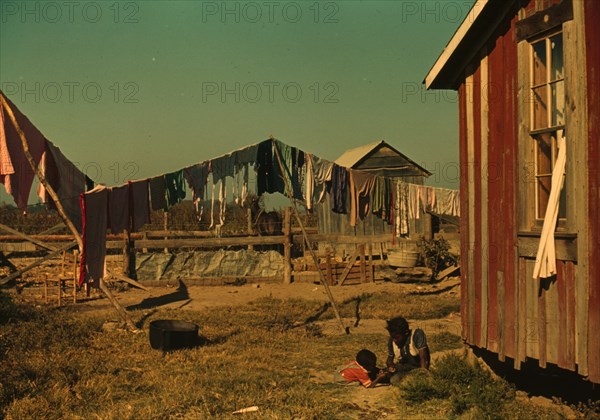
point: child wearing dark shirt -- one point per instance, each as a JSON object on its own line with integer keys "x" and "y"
{"x": 363, "y": 370}
{"x": 407, "y": 349}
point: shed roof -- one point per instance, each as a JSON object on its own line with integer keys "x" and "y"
{"x": 380, "y": 156}
{"x": 478, "y": 26}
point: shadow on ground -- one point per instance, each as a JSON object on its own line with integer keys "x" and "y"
{"x": 179, "y": 295}
{"x": 551, "y": 382}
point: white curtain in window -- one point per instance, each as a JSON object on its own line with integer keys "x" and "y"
{"x": 545, "y": 262}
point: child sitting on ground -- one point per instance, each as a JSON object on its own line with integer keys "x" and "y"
{"x": 407, "y": 349}
{"x": 364, "y": 370}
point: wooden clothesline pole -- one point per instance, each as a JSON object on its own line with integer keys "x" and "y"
{"x": 60, "y": 208}
{"x": 307, "y": 241}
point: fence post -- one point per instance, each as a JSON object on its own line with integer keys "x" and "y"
{"x": 125, "y": 254}
{"x": 165, "y": 227}
{"x": 62, "y": 265}
{"x": 287, "y": 246}
{"x": 329, "y": 270}
{"x": 363, "y": 268}
{"x": 371, "y": 266}
{"x": 250, "y": 230}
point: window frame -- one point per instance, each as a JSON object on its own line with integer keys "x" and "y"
{"x": 536, "y": 219}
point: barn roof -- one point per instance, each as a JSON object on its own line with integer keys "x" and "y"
{"x": 478, "y": 26}
{"x": 382, "y": 158}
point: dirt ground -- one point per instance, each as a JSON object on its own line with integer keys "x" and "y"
{"x": 202, "y": 297}
{"x": 373, "y": 401}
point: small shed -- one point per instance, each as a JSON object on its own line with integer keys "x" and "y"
{"x": 381, "y": 159}
{"x": 527, "y": 74}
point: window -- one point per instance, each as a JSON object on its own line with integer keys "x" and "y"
{"x": 547, "y": 115}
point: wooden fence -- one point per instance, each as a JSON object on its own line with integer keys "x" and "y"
{"x": 359, "y": 267}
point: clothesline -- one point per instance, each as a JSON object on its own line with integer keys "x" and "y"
{"x": 352, "y": 192}
{"x": 127, "y": 207}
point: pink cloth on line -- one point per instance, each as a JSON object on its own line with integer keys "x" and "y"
{"x": 65, "y": 179}
{"x": 94, "y": 206}
{"x": 15, "y": 171}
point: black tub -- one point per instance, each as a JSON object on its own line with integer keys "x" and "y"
{"x": 167, "y": 335}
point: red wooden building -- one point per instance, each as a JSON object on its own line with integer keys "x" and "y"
{"x": 525, "y": 70}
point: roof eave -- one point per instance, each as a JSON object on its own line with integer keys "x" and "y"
{"x": 482, "y": 20}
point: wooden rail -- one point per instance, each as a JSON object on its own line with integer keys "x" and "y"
{"x": 205, "y": 242}
{"x": 176, "y": 239}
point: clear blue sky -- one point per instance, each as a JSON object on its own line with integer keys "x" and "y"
{"x": 143, "y": 88}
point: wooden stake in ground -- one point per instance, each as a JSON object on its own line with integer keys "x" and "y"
{"x": 59, "y": 207}
{"x": 308, "y": 244}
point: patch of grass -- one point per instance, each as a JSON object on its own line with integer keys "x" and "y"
{"x": 467, "y": 386}
{"x": 444, "y": 341}
{"x": 388, "y": 305}
{"x": 58, "y": 365}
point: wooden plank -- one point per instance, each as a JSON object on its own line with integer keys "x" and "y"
{"x": 287, "y": 246}
{"x": 552, "y": 318}
{"x": 348, "y": 239}
{"x": 128, "y": 280}
{"x": 495, "y": 202}
{"x": 329, "y": 272}
{"x": 501, "y": 331}
{"x": 371, "y": 272}
{"x": 561, "y": 286}
{"x": 53, "y": 229}
{"x": 509, "y": 182}
{"x": 208, "y": 242}
{"x": 475, "y": 166}
{"x": 26, "y": 237}
{"x": 544, "y": 20}
{"x": 531, "y": 333}
{"x": 485, "y": 245}
{"x": 566, "y": 248}
{"x": 349, "y": 266}
{"x": 464, "y": 220}
{"x": 587, "y": 13}
{"x": 75, "y": 274}
{"x": 570, "y": 332}
{"x": 471, "y": 203}
{"x": 363, "y": 268}
{"x": 43, "y": 238}
{"x": 541, "y": 327}
{"x": 521, "y": 332}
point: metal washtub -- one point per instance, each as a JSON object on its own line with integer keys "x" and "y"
{"x": 168, "y": 334}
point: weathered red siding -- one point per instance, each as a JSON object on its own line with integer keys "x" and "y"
{"x": 502, "y": 152}
{"x": 521, "y": 317}
{"x": 476, "y": 167}
{"x": 464, "y": 209}
{"x": 592, "y": 17}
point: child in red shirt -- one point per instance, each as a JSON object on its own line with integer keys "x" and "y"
{"x": 364, "y": 370}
